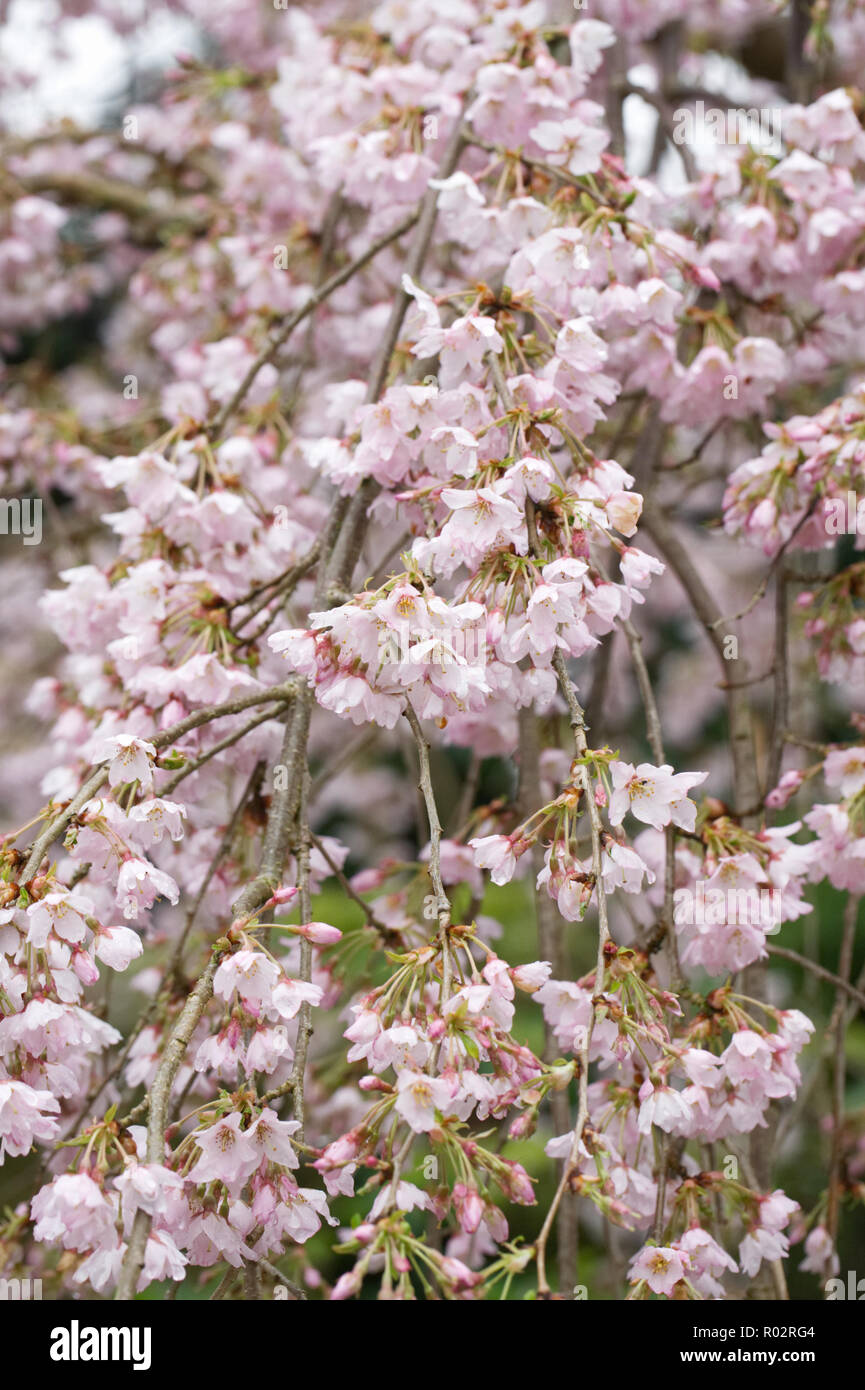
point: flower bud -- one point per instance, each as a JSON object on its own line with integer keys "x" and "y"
{"x": 319, "y": 933}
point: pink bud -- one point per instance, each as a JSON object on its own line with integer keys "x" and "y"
{"x": 319, "y": 933}
{"x": 516, "y": 1183}
{"x": 765, "y": 514}
{"x": 703, "y": 276}
{"x": 787, "y": 787}
{"x": 523, "y": 1126}
{"x": 85, "y": 968}
{"x": 468, "y": 1206}
{"x": 346, "y": 1286}
{"x": 458, "y": 1273}
{"x": 600, "y": 794}
{"x": 368, "y": 879}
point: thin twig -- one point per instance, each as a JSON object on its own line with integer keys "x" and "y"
{"x": 442, "y": 902}
{"x": 656, "y": 743}
{"x": 228, "y": 742}
{"x": 820, "y": 970}
{"x": 549, "y": 949}
{"x": 304, "y": 1023}
{"x": 317, "y": 297}
{"x": 781, "y": 702}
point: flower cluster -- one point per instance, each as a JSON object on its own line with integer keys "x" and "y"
{"x": 368, "y": 713}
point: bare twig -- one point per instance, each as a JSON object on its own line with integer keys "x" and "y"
{"x": 656, "y": 743}
{"x": 781, "y": 703}
{"x": 747, "y": 786}
{"x": 550, "y": 949}
{"x": 276, "y": 340}
{"x": 819, "y": 970}
{"x": 443, "y": 906}
{"x": 304, "y": 1022}
{"x": 228, "y": 742}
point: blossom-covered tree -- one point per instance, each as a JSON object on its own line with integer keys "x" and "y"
{"x": 437, "y": 695}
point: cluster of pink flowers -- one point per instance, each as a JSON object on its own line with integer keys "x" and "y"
{"x": 399, "y": 303}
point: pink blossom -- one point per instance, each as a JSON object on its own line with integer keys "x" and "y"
{"x": 140, "y": 883}
{"x": 62, "y": 913}
{"x": 156, "y": 816}
{"x": 23, "y": 1119}
{"x": 117, "y": 946}
{"x": 665, "y": 1108}
{"x": 845, "y": 768}
{"x": 407, "y": 1197}
{"x": 75, "y": 1211}
{"x": 655, "y": 795}
{"x": 662, "y": 1267}
{"x": 162, "y": 1260}
{"x": 419, "y": 1096}
{"x": 130, "y": 760}
{"x": 250, "y": 973}
{"x": 227, "y": 1154}
{"x": 496, "y": 853}
{"x": 821, "y": 1256}
{"x": 272, "y": 1137}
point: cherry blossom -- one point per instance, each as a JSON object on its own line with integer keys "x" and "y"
{"x": 445, "y": 656}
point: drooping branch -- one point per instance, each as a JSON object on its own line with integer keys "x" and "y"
{"x": 281, "y": 693}
{"x": 745, "y": 774}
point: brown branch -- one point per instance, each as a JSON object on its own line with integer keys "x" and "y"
{"x": 443, "y": 906}
{"x": 160, "y": 1094}
{"x": 220, "y": 747}
{"x": 656, "y": 743}
{"x": 388, "y": 933}
{"x": 746, "y": 782}
{"x": 138, "y": 204}
{"x": 348, "y": 547}
{"x": 665, "y": 119}
{"x": 781, "y": 673}
{"x": 277, "y": 836}
{"x": 304, "y": 1022}
{"x": 578, "y": 730}
{"x": 283, "y": 693}
{"x": 550, "y": 949}
{"x": 820, "y": 971}
{"x": 553, "y": 171}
